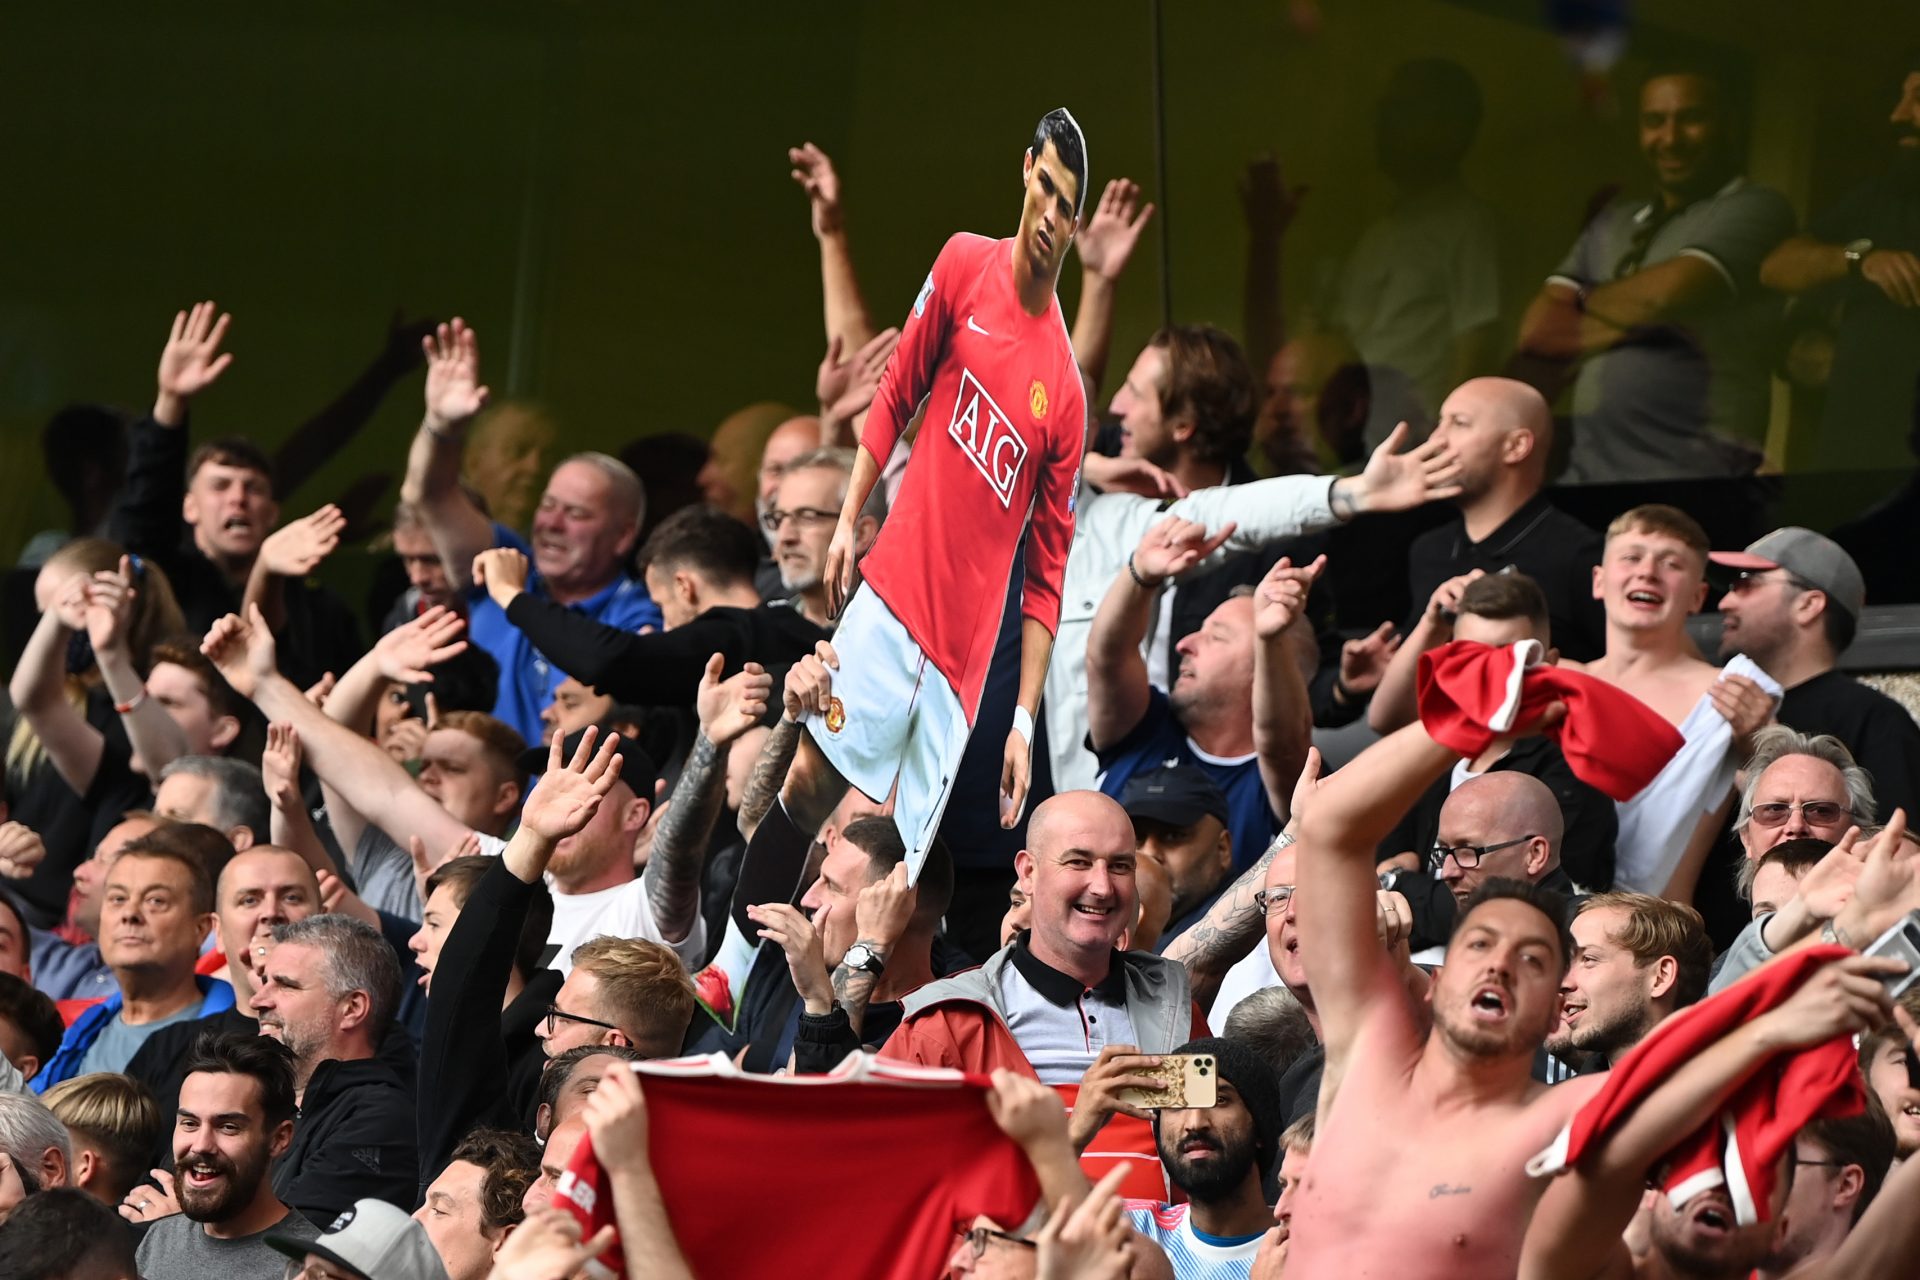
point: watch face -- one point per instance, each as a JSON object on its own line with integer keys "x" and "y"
{"x": 1859, "y": 247}
{"x": 859, "y": 956}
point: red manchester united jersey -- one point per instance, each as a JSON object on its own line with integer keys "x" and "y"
{"x": 998, "y": 451}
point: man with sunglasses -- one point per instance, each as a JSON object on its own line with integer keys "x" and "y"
{"x": 1794, "y": 609}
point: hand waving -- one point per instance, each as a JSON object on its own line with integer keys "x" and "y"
{"x": 1268, "y": 204}
{"x": 296, "y": 548}
{"x": 280, "y": 766}
{"x": 243, "y": 650}
{"x": 110, "y": 598}
{"x": 454, "y": 393}
{"x": 730, "y": 707}
{"x": 408, "y": 653}
{"x": 570, "y": 792}
{"x": 191, "y": 361}
{"x": 846, "y": 386}
{"x": 814, "y": 171}
{"x": 1281, "y": 597}
{"x": 1396, "y": 481}
{"x": 1109, "y": 235}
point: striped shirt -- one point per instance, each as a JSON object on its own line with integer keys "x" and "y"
{"x": 1194, "y": 1254}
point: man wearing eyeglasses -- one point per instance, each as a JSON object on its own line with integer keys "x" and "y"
{"x": 1794, "y": 609}
{"x": 988, "y": 1253}
{"x": 1835, "y": 1168}
{"x": 806, "y": 506}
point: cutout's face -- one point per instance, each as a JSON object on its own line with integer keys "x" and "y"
{"x": 1047, "y": 219}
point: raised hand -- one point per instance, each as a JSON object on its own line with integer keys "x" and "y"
{"x": 243, "y": 650}
{"x": 1174, "y": 546}
{"x": 110, "y": 598}
{"x": 814, "y": 171}
{"x": 1281, "y": 597}
{"x": 1266, "y": 201}
{"x": 782, "y": 924}
{"x": 21, "y": 850}
{"x": 730, "y": 707}
{"x": 1396, "y": 481}
{"x": 502, "y": 571}
{"x": 1108, "y": 237}
{"x": 846, "y": 386}
{"x": 809, "y": 683}
{"x": 296, "y": 548}
{"x": 318, "y": 692}
{"x": 1888, "y": 885}
{"x": 408, "y": 653}
{"x": 1093, "y": 1242}
{"x": 454, "y": 393}
{"x": 280, "y": 766}
{"x": 570, "y": 792}
{"x": 191, "y": 361}
{"x": 424, "y": 866}
{"x": 547, "y": 1246}
{"x": 70, "y": 606}
{"x": 1304, "y": 789}
{"x": 1364, "y": 661}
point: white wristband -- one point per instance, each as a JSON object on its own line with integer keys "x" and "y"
{"x": 1023, "y": 723}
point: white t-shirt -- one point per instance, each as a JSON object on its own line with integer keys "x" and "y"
{"x": 624, "y": 911}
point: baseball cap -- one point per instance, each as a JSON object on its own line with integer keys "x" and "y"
{"x": 1178, "y": 795}
{"x": 371, "y": 1239}
{"x": 636, "y": 766}
{"x": 1813, "y": 558}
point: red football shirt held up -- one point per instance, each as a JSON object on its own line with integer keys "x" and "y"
{"x": 999, "y": 449}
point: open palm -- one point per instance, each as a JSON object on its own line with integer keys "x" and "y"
{"x": 570, "y": 792}
{"x": 454, "y": 393}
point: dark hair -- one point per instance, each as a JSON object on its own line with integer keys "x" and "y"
{"x": 1866, "y": 1140}
{"x": 166, "y": 844}
{"x": 1448, "y": 93}
{"x": 11, "y": 904}
{"x": 183, "y": 651}
{"x": 460, "y": 875}
{"x": 269, "y": 1062}
{"x": 1796, "y": 857}
{"x": 61, "y": 1233}
{"x": 707, "y": 540}
{"x": 1060, "y": 128}
{"x": 511, "y": 1161}
{"x": 468, "y": 681}
{"x": 232, "y": 451}
{"x": 1209, "y": 377}
{"x": 558, "y": 1071}
{"x": 33, "y": 1013}
{"x": 1258, "y": 1085}
{"x": 1546, "y": 901}
{"x": 879, "y": 838}
{"x": 1508, "y": 595}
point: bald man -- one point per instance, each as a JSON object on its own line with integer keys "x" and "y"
{"x": 1501, "y": 825}
{"x": 1502, "y": 432}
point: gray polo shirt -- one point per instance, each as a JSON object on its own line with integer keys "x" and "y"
{"x": 1060, "y": 1025}
{"x": 1688, "y": 398}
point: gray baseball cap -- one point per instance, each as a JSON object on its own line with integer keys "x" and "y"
{"x": 372, "y": 1239}
{"x": 1814, "y": 558}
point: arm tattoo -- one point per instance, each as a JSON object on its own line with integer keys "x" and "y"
{"x": 680, "y": 844}
{"x": 853, "y": 988}
{"x": 1229, "y": 930}
{"x": 769, "y": 773}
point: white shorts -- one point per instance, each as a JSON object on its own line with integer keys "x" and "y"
{"x": 893, "y": 718}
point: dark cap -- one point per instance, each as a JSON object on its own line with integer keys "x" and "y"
{"x": 636, "y": 766}
{"x": 1178, "y": 795}
{"x": 1813, "y": 558}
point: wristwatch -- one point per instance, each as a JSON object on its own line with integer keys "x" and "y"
{"x": 864, "y": 958}
{"x": 1855, "y": 252}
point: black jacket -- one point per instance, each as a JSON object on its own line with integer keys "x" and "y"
{"x": 663, "y": 668}
{"x": 352, "y": 1138}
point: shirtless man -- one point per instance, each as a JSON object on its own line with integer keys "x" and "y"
{"x": 1430, "y": 1131}
{"x": 1651, "y": 577}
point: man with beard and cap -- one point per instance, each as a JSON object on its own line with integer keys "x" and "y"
{"x": 235, "y": 1118}
{"x": 1866, "y": 250}
{"x": 1219, "y": 1157}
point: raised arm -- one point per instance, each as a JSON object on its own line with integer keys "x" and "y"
{"x": 454, "y": 395}
{"x": 316, "y": 441}
{"x": 405, "y": 655}
{"x": 374, "y": 786}
{"x": 727, "y": 709}
{"x": 1118, "y": 691}
{"x": 1337, "y": 906}
{"x": 294, "y": 550}
{"x": 146, "y": 515}
{"x": 616, "y": 1118}
{"x": 154, "y": 735}
{"x": 39, "y": 691}
{"x": 1282, "y": 712}
{"x": 1269, "y": 206}
{"x": 1393, "y": 704}
{"x": 291, "y": 825}
{"x": 846, "y": 311}
{"x": 846, "y": 385}
{"x": 1105, "y": 243}
{"x": 1576, "y": 1229}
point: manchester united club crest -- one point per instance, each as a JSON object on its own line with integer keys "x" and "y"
{"x": 1037, "y": 400}
{"x": 836, "y": 716}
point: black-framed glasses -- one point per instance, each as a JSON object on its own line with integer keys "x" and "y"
{"x": 555, "y": 1013}
{"x": 978, "y": 1237}
{"x": 772, "y": 521}
{"x": 1796, "y": 1161}
{"x": 1818, "y": 813}
{"x": 1467, "y": 856}
{"x": 1274, "y": 899}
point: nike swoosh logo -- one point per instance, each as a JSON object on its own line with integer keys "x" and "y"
{"x": 976, "y": 328}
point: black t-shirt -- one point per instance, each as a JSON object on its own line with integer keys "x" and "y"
{"x": 1876, "y": 354}
{"x": 1884, "y": 739}
{"x": 1539, "y": 540}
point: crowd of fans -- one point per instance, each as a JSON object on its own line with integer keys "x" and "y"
{"x": 301, "y": 935}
